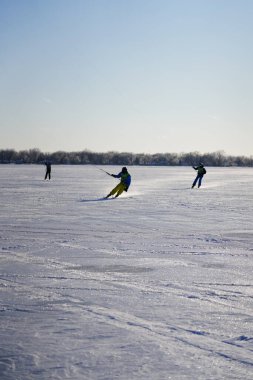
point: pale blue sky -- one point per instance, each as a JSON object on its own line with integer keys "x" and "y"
{"x": 127, "y": 75}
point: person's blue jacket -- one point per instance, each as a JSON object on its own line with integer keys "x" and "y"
{"x": 125, "y": 178}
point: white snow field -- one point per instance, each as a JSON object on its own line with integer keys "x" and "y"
{"x": 154, "y": 285}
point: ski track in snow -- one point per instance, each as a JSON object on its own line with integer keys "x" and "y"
{"x": 156, "y": 284}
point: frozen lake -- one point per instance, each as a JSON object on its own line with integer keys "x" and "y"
{"x": 156, "y": 284}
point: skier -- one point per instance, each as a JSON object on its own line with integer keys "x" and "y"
{"x": 201, "y": 172}
{"x": 48, "y": 170}
{"x": 125, "y": 180}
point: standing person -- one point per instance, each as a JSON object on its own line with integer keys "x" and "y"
{"x": 201, "y": 172}
{"x": 125, "y": 180}
{"x": 48, "y": 170}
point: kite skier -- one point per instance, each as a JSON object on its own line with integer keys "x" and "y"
{"x": 125, "y": 181}
{"x": 201, "y": 172}
{"x": 48, "y": 170}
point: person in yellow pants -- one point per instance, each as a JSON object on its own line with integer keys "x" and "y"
{"x": 125, "y": 180}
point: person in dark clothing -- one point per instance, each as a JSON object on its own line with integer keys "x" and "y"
{"x": 48, "y": 170}
{"x": 125, "y": 180}
{"x": 201, "y": 172}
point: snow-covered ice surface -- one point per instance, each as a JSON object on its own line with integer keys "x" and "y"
{"x": 156, "y": 284}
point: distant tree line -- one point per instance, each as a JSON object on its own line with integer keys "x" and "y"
{"x": 85, "y": 157}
